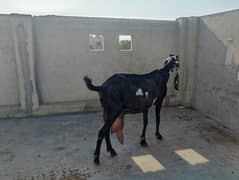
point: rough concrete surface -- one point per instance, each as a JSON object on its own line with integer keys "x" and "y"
{"x": 61, "y": 147}
{"x": 216, "y": 89}
{"x": 59, "y": 74}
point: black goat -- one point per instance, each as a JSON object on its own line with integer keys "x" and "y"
{"x": 131, "y": 93}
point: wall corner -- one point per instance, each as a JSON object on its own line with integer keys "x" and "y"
{"x": 188, "y": 37}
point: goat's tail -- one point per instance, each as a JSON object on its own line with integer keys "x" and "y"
{"x": 90, "y": 86}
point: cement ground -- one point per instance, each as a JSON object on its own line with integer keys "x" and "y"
{"x": 61, "y": 147}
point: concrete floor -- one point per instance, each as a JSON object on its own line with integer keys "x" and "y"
{"x": 61, "y": 147}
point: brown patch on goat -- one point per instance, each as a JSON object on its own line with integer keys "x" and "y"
{"x": 117, "y": 128}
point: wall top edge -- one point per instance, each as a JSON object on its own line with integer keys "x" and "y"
{"x": 89, "y": 17}
{"x": 221, "y": 13}
{"x": 106, "y": 18}
{"x": 117, "y": 18}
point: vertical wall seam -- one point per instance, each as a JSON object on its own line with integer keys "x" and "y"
{"x": 23, "y": 45}
{"x": 192, "y": 62}
{"x": 194, "y": 87}
{"x": 21, "y": 88}
{"x": 36, "y": 59}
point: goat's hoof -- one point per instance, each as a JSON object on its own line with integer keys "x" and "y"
{"x": 113, "y": 153}
{"x": 159, "y": 136}
{"x": 143, "y": 143}
{"x": 97, "y": 161}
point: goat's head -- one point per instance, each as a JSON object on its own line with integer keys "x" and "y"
{"x": 173, "y": 63}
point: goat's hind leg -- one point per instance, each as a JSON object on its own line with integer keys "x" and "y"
{"x": 109, "y": 118}
{"x": 101, "y": 135}
{"x": 108, "y": 145}
{"x": 107, "y": 140}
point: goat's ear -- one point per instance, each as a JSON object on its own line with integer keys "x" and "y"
{"x": 170, "y": 55}
{"x": 177, "y": 56}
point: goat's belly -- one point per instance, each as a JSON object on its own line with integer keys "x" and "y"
{"x": 136, "y": 109}
{"x": 138, "y": 104}
{"x": 133, "y": 111}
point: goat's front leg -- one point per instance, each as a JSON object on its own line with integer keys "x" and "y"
{"x": 157, "y": 111}
{"x": 145, "y": 118}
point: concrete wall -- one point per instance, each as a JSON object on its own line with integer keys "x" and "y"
{"x": 8, "y": 70}
{"x": 45, "y": 58}
{"x": 43, "y": 61}
{"x": 216, "y": 91}
{"x": 63, "y": 56}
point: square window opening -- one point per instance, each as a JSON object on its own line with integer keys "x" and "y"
{"x": 125, "y": 43}
{"x": 96, "y": 42}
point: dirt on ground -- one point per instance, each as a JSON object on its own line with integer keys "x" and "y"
{"x": 70, "y": 174}
{"x": 61, "y": 147}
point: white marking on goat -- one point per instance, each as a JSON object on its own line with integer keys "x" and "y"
{"x": 146, "y": 93}
{"x": 168, "y": 58}
{"x": 139, "y": 92}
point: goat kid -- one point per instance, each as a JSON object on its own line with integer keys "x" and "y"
{"x": 131, "y": 93}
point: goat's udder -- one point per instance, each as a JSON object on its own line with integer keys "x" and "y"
{"x": 117, "y": 128}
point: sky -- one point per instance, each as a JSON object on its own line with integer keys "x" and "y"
{"x": 140, "y": 9}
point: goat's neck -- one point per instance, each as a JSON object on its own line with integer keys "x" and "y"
{"x": 165, "y": 72}
{"x": 160, "y": 76}
{"x": 168, "y": 67}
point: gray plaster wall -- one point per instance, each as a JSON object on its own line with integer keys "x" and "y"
{"x": 43, "y": 60}
{"x": 216, "y": 88}
{"x": 63, "y": 56}
{"x": 8, "y": 70}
